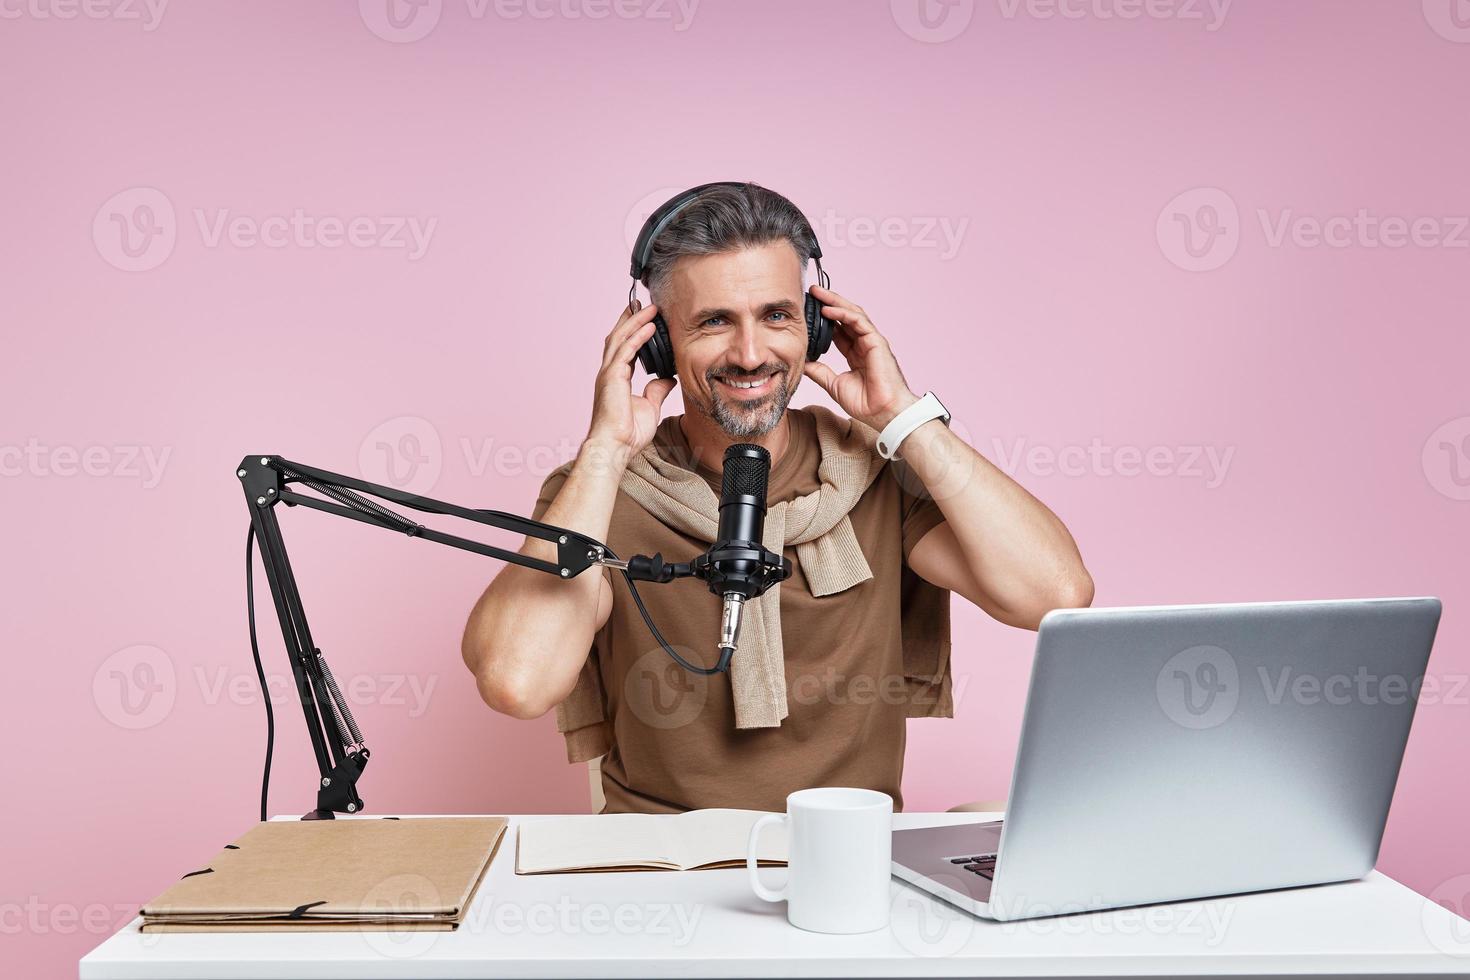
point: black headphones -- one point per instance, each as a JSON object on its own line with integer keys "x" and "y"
{"x": 657, "y": 353}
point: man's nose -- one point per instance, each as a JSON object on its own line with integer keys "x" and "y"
{"x": 745, "y": 349}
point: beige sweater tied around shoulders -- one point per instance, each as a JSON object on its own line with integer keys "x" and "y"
{"x": 831, "y": 560}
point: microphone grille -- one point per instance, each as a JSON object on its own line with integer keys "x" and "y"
{"x": 747, "y": 468}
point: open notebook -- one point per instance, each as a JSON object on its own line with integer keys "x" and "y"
{"x": 714, "y": 838}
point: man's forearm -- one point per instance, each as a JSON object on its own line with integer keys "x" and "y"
{"x": 528, "y": 635}
{"x": 1019, "y": 554}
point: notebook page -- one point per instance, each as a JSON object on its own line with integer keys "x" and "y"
{"x": 718, "y": 834}
{"x": 593, "y": 841}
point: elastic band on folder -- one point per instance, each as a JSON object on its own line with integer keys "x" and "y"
{"x": 206, "y": 871}
{"x": 300, "y": 910}
{"x": 232, "y": 847}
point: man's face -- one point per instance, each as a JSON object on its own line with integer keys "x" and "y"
{"x": 736, "y": 324}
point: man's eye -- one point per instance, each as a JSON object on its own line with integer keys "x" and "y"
{"x": 714, "y": 321}
{"x": 782, "y": 313}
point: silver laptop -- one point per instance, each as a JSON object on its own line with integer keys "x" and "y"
{"x": 1180, "y": 752}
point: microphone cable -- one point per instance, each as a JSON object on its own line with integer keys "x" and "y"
{"x": 722, "y": 666}
{"x": 265, "y": 694}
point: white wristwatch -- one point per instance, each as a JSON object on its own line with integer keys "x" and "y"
{"x": 894, "y": 433}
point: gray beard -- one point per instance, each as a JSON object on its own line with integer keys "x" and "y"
{"x": 743, "y": 421}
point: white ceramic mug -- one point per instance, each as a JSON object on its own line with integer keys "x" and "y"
{"x": 838, "y": 859}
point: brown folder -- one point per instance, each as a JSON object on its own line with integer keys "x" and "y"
{"x": 417, "y": 873}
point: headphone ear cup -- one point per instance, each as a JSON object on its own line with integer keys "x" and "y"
{"x": 818, "y": 329}
{"x": 657, "y": 354}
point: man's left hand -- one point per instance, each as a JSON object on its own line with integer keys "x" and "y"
{"x": 874, "y": 390}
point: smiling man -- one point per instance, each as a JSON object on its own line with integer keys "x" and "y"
{"x": 860, "y": 635}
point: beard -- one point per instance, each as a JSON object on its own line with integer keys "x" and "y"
{"x": 743, "y": 419}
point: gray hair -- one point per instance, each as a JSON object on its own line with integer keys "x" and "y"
{"x": 723, "y": 219}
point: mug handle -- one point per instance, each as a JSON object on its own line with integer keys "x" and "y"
{"x": 750, "y": 865}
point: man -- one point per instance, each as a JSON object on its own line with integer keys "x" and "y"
{"x": 727, "y": 276}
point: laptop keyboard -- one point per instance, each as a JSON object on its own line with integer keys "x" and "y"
{"x": 980, "y": 864}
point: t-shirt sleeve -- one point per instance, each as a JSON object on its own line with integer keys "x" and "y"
{"x": 921, "y": 513}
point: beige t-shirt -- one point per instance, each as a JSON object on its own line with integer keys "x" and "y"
{"x": 674, "y": 742}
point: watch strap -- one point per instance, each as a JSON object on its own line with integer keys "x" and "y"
{"x": 895, "y": 432}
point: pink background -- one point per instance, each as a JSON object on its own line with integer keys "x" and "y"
{"x": 1052, "y": 146}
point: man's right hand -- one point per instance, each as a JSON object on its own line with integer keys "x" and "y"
{"x": 622, "y": 421}
{"x": 527, "y": 638}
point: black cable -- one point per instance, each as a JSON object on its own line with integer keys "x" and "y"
{"x": 265, "y": 695}
{"x": 719, "y": 668}
{"x": 725, "y": 653}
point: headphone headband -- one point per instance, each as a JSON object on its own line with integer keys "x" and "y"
{"x": 669, "y": 210}
{"x": 662, "y": 216}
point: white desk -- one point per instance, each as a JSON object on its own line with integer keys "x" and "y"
{"x": 709, "y": 924}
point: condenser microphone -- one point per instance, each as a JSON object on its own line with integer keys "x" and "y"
{"x": 737, "y": 566}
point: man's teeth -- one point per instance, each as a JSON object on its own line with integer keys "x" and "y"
{"x": 746, "y": 384}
